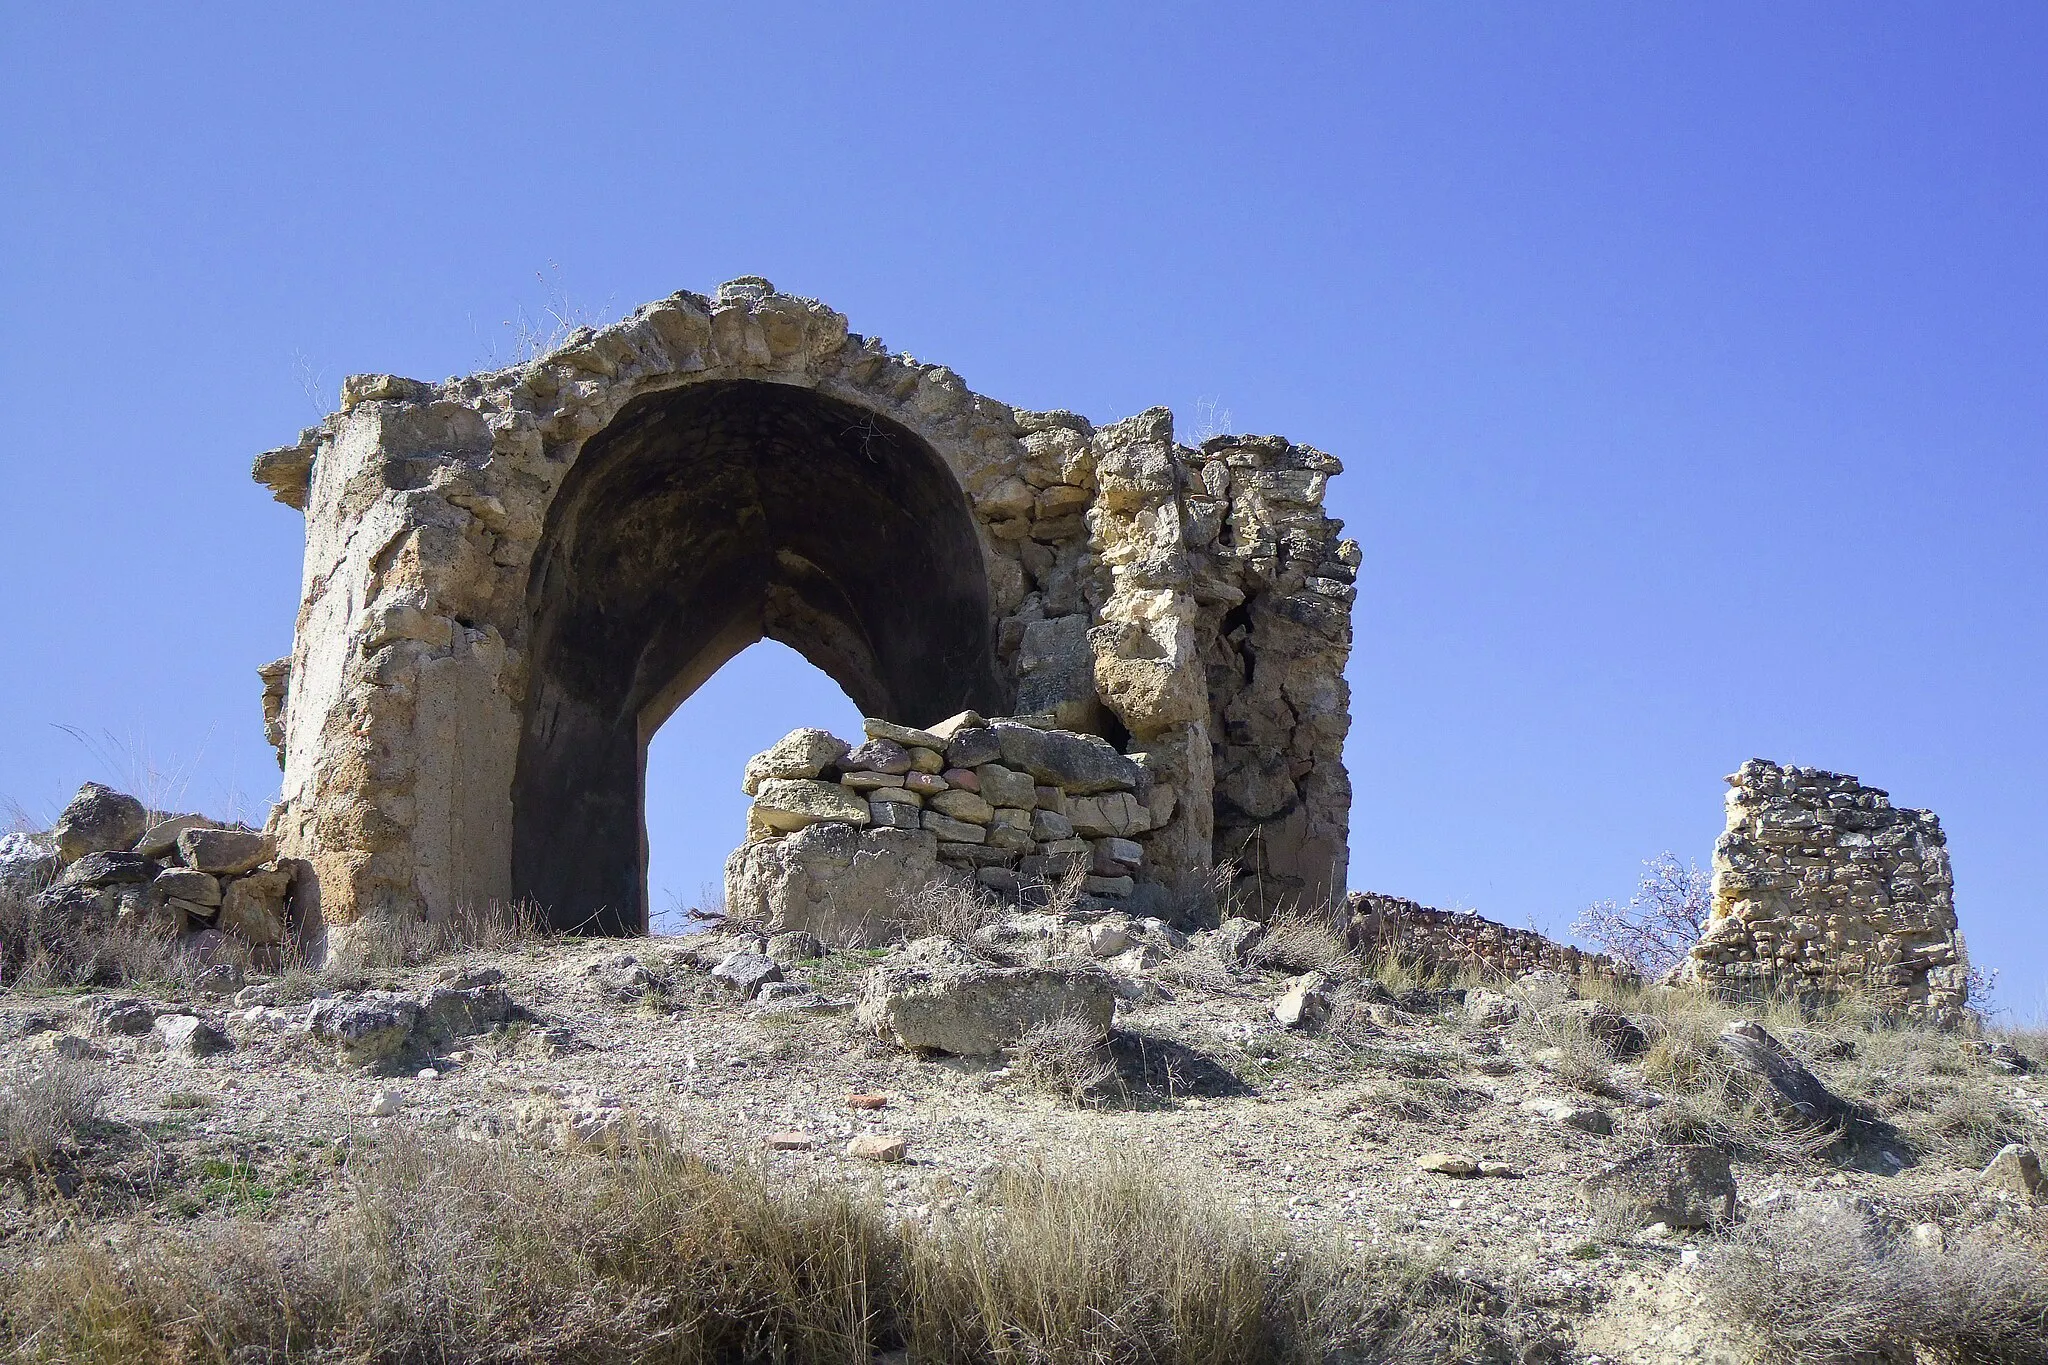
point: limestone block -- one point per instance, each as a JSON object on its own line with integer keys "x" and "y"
{"x": 803, "y": 753}
{"x": 98, "y": 819}
{"x": 962, "y": 805}
{"x": 936, "y": 996}
{"x": 903, "y": 734}
{"x": 1002, "y": 786}
{"x": 1075, "y": 763}
{"x": 793, "y": 803}
{"x": 183, "y": 883}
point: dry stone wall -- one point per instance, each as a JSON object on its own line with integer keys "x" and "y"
{"x": 511, "y": 579}
{"x": 110, "y": 861}
{"x": 1823, "y": 887}
{"x": 1460, "y": 941}
{"x": 841, "y": 836}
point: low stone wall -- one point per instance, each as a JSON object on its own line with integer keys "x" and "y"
{"x": 108, "y": 859}
{"x": 838, "y": 831}
{"x": 1823, "y": 887}
{"x": 1456, "y": 940}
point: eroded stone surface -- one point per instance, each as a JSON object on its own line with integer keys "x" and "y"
{"x": 512, "y": 578}
{"x": 1823, "y": 887}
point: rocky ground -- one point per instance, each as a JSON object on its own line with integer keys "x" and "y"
{"x": 1350, "y": 1105}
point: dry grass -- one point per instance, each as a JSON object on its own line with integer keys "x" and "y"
{"x": 387, "y": 944}
{"x": 45, "y": 950}
{"x": 1306, "y": 939}
{"x": 1065, "y": 1057}
{"x": 48, "y": 1109}
{"x": 947, "y": 907}
{"x": 472, "y": 1252}
{"x": 1820, "y": 1283}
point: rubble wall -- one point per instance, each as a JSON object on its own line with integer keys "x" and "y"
{"x": 841, "y": 835}
{"x": 1458, "y": 941}
{"x": 1823, "y": 887}
{"x": 480, "y": 657}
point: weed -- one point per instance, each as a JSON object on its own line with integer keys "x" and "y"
{"x": 1064, "y": 1056}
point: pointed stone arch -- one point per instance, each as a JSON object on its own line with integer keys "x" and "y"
{"x": 460, "y": 537}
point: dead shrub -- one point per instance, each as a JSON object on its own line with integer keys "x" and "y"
{"x": 47, "y": 1109}
{"x": 1064, "y": 1057}
{"x": 1821, "y": 1282}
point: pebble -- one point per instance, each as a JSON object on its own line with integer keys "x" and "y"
{"x": 384, "y": 1104}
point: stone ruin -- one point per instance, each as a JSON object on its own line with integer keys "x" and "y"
{"x": 1463, "y": 941}
{"x": 1823, "y": 888}
{"x": 512, "y": 579}
{"x": 840, "y": 838}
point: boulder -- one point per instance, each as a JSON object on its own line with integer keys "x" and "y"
{"x": 936, "y": 996}
{"x": 28, "y": 863}
{"x": 796, "y": 945}
{"x": 367, "y": 1026}
{"x": 1491, "y": 1009}
{"x": 1078, "y": 764}
{"x": 1307, "y": 1002}
{"x": 223, "y": 852}
{"x": 1683, "y": 1186}
{"x": 452, "y": 1012}
{"x": 791, "y": 804}
{"x": 122, "y": 1017}
{"x": 1607, "y": 1024}
{"x": 252, "y": 907}
{"x": 841, "y": 884}
{"x": 108, "y": 868}
{"x": 1796, "y": 1093}
{"x": 746, "y": 973}
{"x": 189, "y": 1037}
{"x": 1235, "y": 938}
{"x": 2016, "y": 1170}
{"x": 98, "y": 819}
{"x": 801, "y": 753}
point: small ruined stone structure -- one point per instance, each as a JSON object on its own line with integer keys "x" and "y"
{"x": 512, "y": 579}
{"x": 1462, "y": 941}
{"x": 1823, "y": 887}
{"x": 840, "y": 837}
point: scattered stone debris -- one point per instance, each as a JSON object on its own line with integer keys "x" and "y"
{"x": 879, "y": 1147}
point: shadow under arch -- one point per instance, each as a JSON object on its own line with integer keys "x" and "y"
{"x": 698, "y": 521}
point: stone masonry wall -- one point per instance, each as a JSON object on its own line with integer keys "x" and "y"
{"x": 1823, "y": 887}
{"x": 1455, "y": 940}
{"x": 1008, "y": 804}
{"x": 1189, "y": 606}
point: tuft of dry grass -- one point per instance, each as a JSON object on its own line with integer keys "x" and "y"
{"x": 947, "y": 907}
{"x": 1065, "y": 1057}
{"x": 1306, "y": 939}
{"x": 387, "y": 944}
{"x": 463, "y": 1252}
{"x": 1821, "y": 1283}
{"x": 47, "y": 1109}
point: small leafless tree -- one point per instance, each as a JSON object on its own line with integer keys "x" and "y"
{"x": 1659, "y": 923}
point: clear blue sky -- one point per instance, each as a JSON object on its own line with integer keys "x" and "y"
{"x": 1690, "y": 363}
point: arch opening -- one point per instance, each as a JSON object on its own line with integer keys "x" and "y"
{"x": 699, "y": 521}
